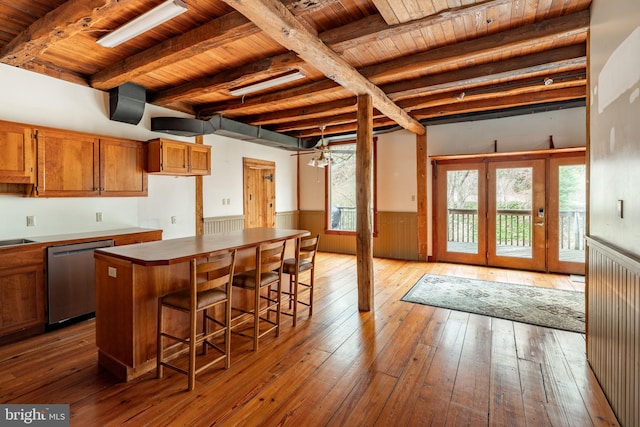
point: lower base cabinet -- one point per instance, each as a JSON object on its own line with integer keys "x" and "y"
{"x": 21, "y": 299}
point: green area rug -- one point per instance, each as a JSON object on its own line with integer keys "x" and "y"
{"x": 551, "y": 308}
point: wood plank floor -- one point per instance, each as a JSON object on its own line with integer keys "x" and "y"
{"x": 402, "y": 364}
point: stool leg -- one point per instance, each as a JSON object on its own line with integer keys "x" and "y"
{"x": 295, "y": 297}
{"x": 159, "y": 350}
{"x": 256, "y": 318}
{"x": 192, "y": 349}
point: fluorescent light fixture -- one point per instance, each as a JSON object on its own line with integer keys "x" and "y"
{"x": 268, "y": 84}
{"x": 156, "y": 16}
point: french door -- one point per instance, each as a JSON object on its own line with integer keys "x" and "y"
{"x": 512, "y": 212}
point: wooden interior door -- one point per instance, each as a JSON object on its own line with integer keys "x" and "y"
{"x": 461, "y": 212}
{"x": 516, "y": 214}
{"x": 259, "y": 193}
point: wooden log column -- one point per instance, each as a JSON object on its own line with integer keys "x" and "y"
{"x": 199, "y": 197}
{"x": 364, "y": 226}
{"x": 423, "y": 217}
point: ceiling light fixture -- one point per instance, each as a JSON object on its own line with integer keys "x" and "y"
{"x": 268, "y": 84}
{"x": 325, "y": 156}
{"x": 156, "y": 16}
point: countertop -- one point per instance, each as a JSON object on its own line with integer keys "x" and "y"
{"x": 178, "y": 250}
{"x": 88, "y": 235}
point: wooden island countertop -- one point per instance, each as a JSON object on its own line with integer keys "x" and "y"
{"x": 173, "y": 251}
{"x": 129, "y": 280}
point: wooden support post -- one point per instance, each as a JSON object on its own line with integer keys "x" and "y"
{"x": 423, "y": 217}
{"x": 199, "y": 198}
{"x": 364, "y": 226}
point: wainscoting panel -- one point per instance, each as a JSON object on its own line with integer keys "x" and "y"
{"x": 613, "y": 327}
{"x": 221, "y": 224}
{"x": 287, "y": 219}
{"x": 397, "y": 235}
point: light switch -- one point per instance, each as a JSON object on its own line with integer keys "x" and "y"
{"x": 620, "y": 209}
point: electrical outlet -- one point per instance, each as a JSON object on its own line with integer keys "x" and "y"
{"x": 173, "y": 220}
{"x": 98, "y": 216}
{"x": 31, "y": 221}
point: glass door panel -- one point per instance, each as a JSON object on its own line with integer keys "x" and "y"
{"x": 460, "y": 213}
{"x": 516, "y": 221}
{"x": 567, "y": 215}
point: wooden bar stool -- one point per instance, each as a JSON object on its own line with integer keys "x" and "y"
{"x": 305, "y": 260}
{"x": 268, "y": 273}
{"x": 210, "y": 286}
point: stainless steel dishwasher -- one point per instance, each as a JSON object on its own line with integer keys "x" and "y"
{"x": 71, "y": 288}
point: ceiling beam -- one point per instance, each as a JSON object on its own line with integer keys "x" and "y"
{"x": 557, "y": 30}
{"x": 548, "y": 61}
{"x": 376, "y": 28}
{"x": 471, "y": 51}
{"x": 323, "y": 113}
{"x": 326, "y": 87}
{"x": 472, "y": 104}
{"x": 503, "y": 102}
{"x": 215, "y": 33}
{"x": 70, "y": 18}
{"x": 277, "y": 22}
{"x": 246, "y": 74}
{"x": 491, "y": 94}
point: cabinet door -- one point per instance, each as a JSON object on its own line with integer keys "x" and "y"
{"x": 175, "y": 157}
{"x": 17, "y": 162}
{"x": 122, "y": 168}
{"x": 200, "y": 159}
{"x": 21, "y": 298}
{"x": 67, "y": 164}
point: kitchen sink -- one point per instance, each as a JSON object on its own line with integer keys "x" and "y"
{"x": 15, "y": 242}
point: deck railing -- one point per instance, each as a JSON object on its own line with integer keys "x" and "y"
{"x": 343, "y": 218}
{"x": 513, "y": 227}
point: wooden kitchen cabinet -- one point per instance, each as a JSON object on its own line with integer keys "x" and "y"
{"x": 73, "y": 164}
{"x": 18, "y": 160}
{"x": 68, "y": 164}
{"x": 167, "y": 157}
{"x": 22, "y": 291}
{"x": 122, "y": 168}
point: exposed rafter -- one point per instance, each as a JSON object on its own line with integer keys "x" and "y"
{"x": 70, "y": 18}
{"x": 276, "y": 21}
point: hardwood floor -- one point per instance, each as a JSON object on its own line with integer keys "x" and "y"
{"x": 402, "y": 364}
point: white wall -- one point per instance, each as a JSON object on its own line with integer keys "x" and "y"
{"x": 397, "y": 153}
{"x": 36, "y": 99}
{"x": 226, "y": 180}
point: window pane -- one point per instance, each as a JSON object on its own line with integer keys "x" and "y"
{"x": 342, "y": 187}
{"x": 572, "y": 203}
{"x": 514, "y": 201}
{"x": 462, "y": 211}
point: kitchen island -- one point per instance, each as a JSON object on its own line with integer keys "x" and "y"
{"x": 130, "y": 279}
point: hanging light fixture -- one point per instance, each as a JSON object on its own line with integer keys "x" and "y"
{"x": 324, "y": 158}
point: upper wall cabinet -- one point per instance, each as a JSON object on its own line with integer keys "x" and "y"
{"x": 72, "y": 164}
{"x": 167, "y": 157}
{"x": 122, "y": 168}
{"x": 17, "y": 159}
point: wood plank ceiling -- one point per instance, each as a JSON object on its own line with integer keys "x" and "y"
{"x": 419, "y": 59}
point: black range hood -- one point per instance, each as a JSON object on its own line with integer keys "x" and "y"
{"x": 220, "y": 125}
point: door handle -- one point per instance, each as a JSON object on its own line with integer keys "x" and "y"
{"x": 539, "y": 224}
